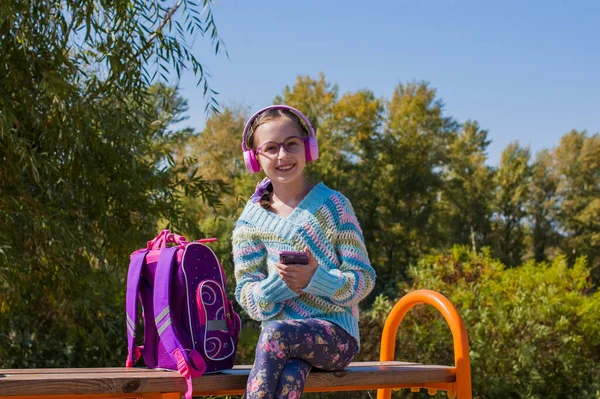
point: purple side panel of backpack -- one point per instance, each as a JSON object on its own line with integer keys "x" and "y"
{"x": 199, "y": 263}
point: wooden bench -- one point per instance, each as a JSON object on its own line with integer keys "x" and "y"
{"x": 384, "y": 375}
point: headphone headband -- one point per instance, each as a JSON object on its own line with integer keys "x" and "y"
{"x": 280, "y": 106}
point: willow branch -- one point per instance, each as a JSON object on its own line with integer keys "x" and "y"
{"x": 165, "y": 21}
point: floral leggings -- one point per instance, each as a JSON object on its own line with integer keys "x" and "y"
{"x": 287, "y": 350}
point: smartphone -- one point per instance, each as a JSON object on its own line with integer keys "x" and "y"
{"x": 291, "y": 258}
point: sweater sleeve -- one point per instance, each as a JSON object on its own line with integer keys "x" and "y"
{"x": 355, "y": 277}
{"x": 258, "y": 293}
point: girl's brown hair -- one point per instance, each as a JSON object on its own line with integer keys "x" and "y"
{"x": 269, "y": 116}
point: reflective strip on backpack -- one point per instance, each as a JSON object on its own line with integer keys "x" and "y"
{"x": 166, "y": 324}
{"x": 162, "y": 315}
{"x": 216, "y": 325}
{"x": 130, "y": 326}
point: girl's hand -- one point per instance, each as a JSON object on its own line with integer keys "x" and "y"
{"x": 296, "y": 276}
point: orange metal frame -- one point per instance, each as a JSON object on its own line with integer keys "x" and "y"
{"x": 461, "y": 388}
{"x": 462, "y": 364}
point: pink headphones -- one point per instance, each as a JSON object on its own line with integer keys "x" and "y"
{"x": 311, "y": 147}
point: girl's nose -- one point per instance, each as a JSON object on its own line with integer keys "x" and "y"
{"x": 282, "y": 152}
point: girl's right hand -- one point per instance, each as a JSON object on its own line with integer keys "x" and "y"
{"x": 297, "y": 277}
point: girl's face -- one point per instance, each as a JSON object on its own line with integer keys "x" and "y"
{"x": 280, "y": 150}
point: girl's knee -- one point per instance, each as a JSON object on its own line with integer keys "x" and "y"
{"x": 279, "y": 333}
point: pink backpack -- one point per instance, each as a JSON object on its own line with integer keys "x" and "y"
{"x": 189, "y": 324}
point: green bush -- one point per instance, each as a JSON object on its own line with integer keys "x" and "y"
{"x": 534, "y": 331}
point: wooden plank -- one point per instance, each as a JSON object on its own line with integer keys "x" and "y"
{"x": 109, "y": 370}
{"x": 74, "y": 370}
{"x": 139, "y": 380}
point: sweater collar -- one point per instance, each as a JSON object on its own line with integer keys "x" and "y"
{"x": 310, "y": 203}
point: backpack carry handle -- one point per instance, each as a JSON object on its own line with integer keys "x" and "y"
{"x": 165, "y": 237}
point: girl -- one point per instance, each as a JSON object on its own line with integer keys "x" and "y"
{"x": 309, "y": 312}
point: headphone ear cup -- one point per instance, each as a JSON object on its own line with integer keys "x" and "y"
{"x": 311, "y": 149}
{"x": 251, "y": 162}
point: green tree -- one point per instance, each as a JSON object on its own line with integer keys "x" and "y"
{"x": 352, "y": 164}
{"x": 314, "y": 97}
{"x": 412, "y": 153}
{"x": 577, "y": 167}
{"x": 465, "y": 208}
{"x": 217, "y": 153}
{"x": 85, "y": 176}
{"x": 541, "y": 207}
{"x": 512, "y": 191}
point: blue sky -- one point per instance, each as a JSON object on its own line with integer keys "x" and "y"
{"x": 525, "y": 70}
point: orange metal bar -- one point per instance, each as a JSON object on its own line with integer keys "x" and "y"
{"x": 170, "y": 395}
{"x": 462, "y": 363}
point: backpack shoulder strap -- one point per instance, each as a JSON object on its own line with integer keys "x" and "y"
{"x": 133, "y": 285}
{"x": 162, "y": 292}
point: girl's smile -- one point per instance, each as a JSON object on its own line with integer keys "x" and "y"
{"x": 286, "y": 167}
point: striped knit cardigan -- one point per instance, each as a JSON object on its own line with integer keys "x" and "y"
{"x": 325, "y": 222}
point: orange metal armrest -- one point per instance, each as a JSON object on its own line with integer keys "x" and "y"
{"x": 462, "y": 364}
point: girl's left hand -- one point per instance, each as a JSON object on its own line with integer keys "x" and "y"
{"x": 296, "y": 276}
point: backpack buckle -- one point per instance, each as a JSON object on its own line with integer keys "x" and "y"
{"x": 182, "y": 365}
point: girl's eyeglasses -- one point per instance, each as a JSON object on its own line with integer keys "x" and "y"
{"x": 292, "y": 145}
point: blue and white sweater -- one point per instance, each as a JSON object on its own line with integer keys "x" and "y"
{"x": 325, "y": 222}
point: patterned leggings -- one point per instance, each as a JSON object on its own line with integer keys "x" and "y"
{"x": 287, "y": 350}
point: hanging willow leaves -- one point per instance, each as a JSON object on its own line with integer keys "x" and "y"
{"x": 87, "y": 173}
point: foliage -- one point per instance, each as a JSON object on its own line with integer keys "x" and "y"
{"x": 87, "y": 174}
{"x": 541, "y": 207}
{"x": 577, "y": 172}
{"x": 314, "y": 97}
{"x": 534, "y": 330}
{"x": 512, "y": 185}
{"x": 465, "y": 206}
